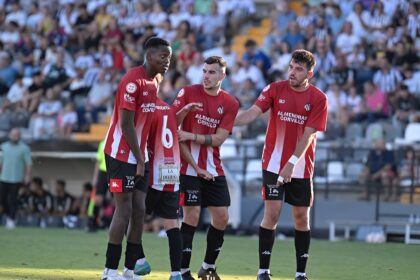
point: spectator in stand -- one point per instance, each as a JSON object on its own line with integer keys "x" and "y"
{"x": 405, "y": 108}
{"x": 67, "y": 120}
{"x": 379, "y": 171}
{"x": 305, "y": 18}
{"x": 248, "y": 71}
{"x": 353, "y": 103}
{"x": 23, "y": 201}
{"x": 376, "y": 105}
{"x": 41, "y": 201}
{"x": 325, "y": 61}
{"x": 97, "y": 101}
{"x": 58, "y": 72}
{"x": 8, "y": 72}
{"x": 62, "y": 201}
{"x": 358, "y": 17}
{"x": 81, "y": 203}
{"x": 337, "y": 20}
{"x": 388, "y": 78}
{"x": 341, "y": 74}
{"x": 194, "y": 71}
{"x": 346, "y": 40}
{"x": 246, "y": 93}
{"x": 256, "y": 57}
{"x": 212, "y": 30}
{"x": 45, "y": 120}
{"x": 15, "y": 95}
{"x": 294, "y": 37}
{"x": 408, "y": 168}
{"x": 337, "y": 112}
{"x": 283, "y": 15}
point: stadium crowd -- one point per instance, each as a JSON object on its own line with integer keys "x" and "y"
{"x": 61, "y": 61}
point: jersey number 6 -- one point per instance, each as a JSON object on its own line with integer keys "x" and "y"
{"x": 167, "y": 137}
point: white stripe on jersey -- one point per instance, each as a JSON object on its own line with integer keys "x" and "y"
{"x": 299, "y": 171}
{"x": 275, "y": 159}
{"x": 211, "y": 167}
{"x": 117, "y": 136}
{"x": 195, "y": 152}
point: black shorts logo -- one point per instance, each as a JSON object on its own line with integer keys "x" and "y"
{"x": 191, "y": 196}
{"x": 272, "y": 192}
{"x": 130, "y": 182}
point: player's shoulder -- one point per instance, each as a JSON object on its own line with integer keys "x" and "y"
{"x": 277, "y": 85}
{"x": 317, "y": 93}
{"x": 229, "y": 97}
{"x": 189, "y": 89}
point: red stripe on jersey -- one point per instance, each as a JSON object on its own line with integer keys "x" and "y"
{"x": 181, "y": 199}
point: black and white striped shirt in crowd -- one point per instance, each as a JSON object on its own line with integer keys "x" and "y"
{"x": 389, "y": 81}
{"x": 304, "y": 21}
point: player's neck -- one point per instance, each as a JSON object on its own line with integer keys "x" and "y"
{"x": 212, "y": 91}
{"x": 302, "y": 87}
{"x": 151, "y": 73}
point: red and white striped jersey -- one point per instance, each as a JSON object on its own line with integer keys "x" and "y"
{"x": 218, "y": 112}
{"x": 165, "y": 160}
{"x": 291, "y": 111}
{"x": 136, "y": 92}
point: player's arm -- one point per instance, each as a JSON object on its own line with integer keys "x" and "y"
{"x": 286, "y": 172}
{"x": 186, "y": 155}
{"x": 248, "y": 116}
{"x": 129, "y": 134}
{"x": 190, "y": 107}
{"x": 213, "y": 140}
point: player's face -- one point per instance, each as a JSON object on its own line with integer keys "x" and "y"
{"x": 213, "y": 75}
{"x": 160, "y": 58}
{"x": 298, "y": 74}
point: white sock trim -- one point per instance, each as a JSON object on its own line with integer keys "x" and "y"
{"x": 262, "y": 271}
{"x": 207, "y": 266}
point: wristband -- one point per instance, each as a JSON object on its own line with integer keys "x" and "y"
{"x": 293, "y": 159}
{"x": 280, "y": 179}
{"x": 195, "y": 137}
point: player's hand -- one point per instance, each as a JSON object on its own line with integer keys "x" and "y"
{"x": 285, "y": 175}
{"x": 139, "y": 171}
{"x": 204, "y": 174}
{"x": 193, "y": 106}
{"x": 185, "y": 136}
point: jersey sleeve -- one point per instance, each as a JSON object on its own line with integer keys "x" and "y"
{"x": 230, "y": 115}
{"x": 318, "y": 116}
{"x": 180, "y": 100}
{"x": 265, "y": 100}
{"x": 129, "y": 94}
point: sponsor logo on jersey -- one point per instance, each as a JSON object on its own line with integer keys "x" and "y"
{"x": 291, "y": 117}
{"x": 266, "y": 88}
{"x": 207, "y": 121}
{"x": 181, "y": 93}
{"x": 131, "y": 87}
{"x": 148, "y": 107}
{"x": 282, "y": 101}
{"x": 220, "y": 110}
{"x": 145, "y": 93}
{"x": 307, "y": 107}
{"x": 261, "y": 98}
{"x": 128, "y": 98}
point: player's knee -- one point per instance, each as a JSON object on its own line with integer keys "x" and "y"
{"x": 221, "y": 220}
{"x": 124, "y": 212}
{"x": 301, "y": 221}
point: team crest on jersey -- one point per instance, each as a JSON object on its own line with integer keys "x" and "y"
{"x": 220, "y": 110}
{"x": 131, "y": 87}
{"x": 181, "y": 93}
{"x": 307, "y": 107}
{"x": 261, "y": 98}
{"x": 145, "y": 93}
{"x": 266, "y": 88}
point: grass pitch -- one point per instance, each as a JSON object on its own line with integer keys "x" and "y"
{"x": 28, "y": 253}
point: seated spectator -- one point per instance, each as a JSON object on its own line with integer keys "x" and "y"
{"x": 81, "y": 203}
{"x": 15, "y": 95}
{"x": 379, "y": 171}
{"x": 376, "y": 105}
{"x": 62, "y": 200}
{"x": 346, "y": 40}
{"x": 294, "y": 37}
{"x": 194, "y": 72}
{"x": 405, "y": 108}
{"x": 58, "y": 73}
{"x": 337, "y": 112}
{"x": 97, "y": 101}
{"x": 256, "y": 57}
{"x": 353, "y": 103}
{"x": 45, "y": 120}
{"x": 408, "y": 168}
{"x": 41, "y": 201}
{"x": 248, "y": 71}
{"x": 24, "y": 201}
{"x": 33, "y": 93}
{"x": 8, "y": 72}
{"x": 67, "y": 120}
{"x": 246, "y": 94}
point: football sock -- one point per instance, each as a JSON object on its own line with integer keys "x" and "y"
{"x": 266, "y": 242}
{"x": 131, "y": 255}
{"x": 187, "y": 233}
{"x": 214, "y": 244}
{"x": 141, "y": 252}
{"x": 175, "y": 247}
{"x": 113, "y": 255}
{"x": 302, "y": 241}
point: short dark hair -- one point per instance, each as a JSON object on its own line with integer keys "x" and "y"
{"x": 216, "y": 59}
{"x": 61, "y": 183}
{"x": 37, "y": 181}
{"x": 250, "y": 43}
{"x": 304, "y": 56}
{"x": 155, "y": 42}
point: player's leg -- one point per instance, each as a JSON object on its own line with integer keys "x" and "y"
{"x": 135, "y": 258}
{"x": 175, "y": 247}
{"x": 121, "y": 185}
{"x": 217, "y": 198}
{"x": 272, "y": 196}
{"x": 299, "y": 194}
{"x": 190, "y": 200}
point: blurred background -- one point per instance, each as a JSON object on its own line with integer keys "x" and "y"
{"x": 61, "y": 61}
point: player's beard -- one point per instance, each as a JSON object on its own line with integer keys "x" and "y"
{"x": 295, "y": 83}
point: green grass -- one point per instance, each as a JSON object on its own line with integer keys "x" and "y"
{"x": 63, "y": 254}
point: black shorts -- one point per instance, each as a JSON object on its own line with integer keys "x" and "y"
{"x": 299, "y": 192}
{"x": 199, "y": 192}
{"x": 121, "y": 176}
{"x": 102, "y": 184}
{"x": 162, "y": 204}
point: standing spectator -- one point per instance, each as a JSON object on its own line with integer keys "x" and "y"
{"x": 16, "y": 166}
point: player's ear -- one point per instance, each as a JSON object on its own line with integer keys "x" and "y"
{"x": 310, "y": 74}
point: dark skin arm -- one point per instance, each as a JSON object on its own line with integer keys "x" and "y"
{"x": 129, "y": 134}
